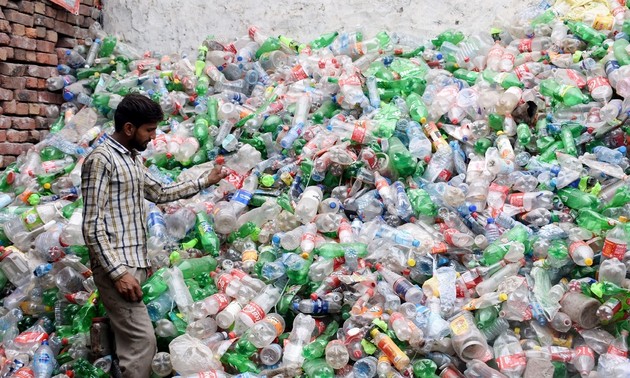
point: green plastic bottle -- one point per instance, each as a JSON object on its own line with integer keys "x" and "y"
{"x": 417, "y": 109}
{"x": 154, "y": 286}
{"x": 424, "y": 368}
{"x": 240, "y": 363}
{"x": 323, "y": 40}
{"x": 585, "y": 32}
{"x": 270, "y": 44}
{"x": 401, "y": 158}
{"x": 336, "y": 250}
{"x": 523, "y": 134}
{"x": 470, "y": 77}
{"x": 107, "y": 46}
{"x": 593, "y": 221}
{"x": 451, "y": 36}
{"x": 318, "y": 369}
{"x": 316, "y": 348}
{"x": 192, "y": 268}
{"x": 621, "y": 54}
{"x": 562, "y": 93}
{"x": 577, "y": 199}
{"x": 209, "y": 239}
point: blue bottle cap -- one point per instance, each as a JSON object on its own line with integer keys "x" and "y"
{"x": 490, "y": 220}
{"x": 472, "y": 208}
{"x": 622, "y": 149}
{"x": 416, "y": 243}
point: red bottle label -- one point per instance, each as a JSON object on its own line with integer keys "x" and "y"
{"x": 614, "y": 250}
{"x": 511, "y": 361}
{"x": 254, "y": 312}
{"x": 525, "y": 45}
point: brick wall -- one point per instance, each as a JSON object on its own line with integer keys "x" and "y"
{"x": 33, "y": 37}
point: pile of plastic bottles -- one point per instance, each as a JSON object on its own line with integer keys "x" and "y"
{"x": 394, "y": 206}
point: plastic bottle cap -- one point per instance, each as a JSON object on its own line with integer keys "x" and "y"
{"x": 411, "y": 262}
{"x": 47, "y": 186}
{"x": 416, "y": 243}
{"x": 490, "y": 220}
{"x": 333, "y": 205}
{"x": 622, "y": 149}
{"x": 267, "y": 180}
{"x": 588, "y": 261}
{"x": 304, "y": 255}
{"x": 623, "y": 219}
{"x": 503, "y": 297}
{"x": 472, "y": 208}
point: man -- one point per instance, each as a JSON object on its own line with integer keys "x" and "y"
{"x": 114, "y": 186}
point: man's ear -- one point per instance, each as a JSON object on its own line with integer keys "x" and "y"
{"x": 129, "y": 129}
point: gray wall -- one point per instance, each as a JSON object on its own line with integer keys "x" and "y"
{"x": 168, "y": 26}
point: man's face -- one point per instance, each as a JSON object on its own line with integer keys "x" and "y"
{"x": 143, "y": 136}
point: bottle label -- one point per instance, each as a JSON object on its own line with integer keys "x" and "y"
{"x": 511, "y": 362}
{"x": 611, "y": 66}
{"x": 444, "y": 175}
{"x": 617, "y": 11}
{"x": 584, "y": 350}
{"x": 297, "y": 73}
{"x": 279, "y": 327}
{"x": 350, "y": 80}
{"x": 459, "y": 326}
{"x": 242, "y": 196}
{"x": 358, "y": 133}
{"x": 602, "y": 22}
{"x": 439, "y": 248}
{"x": 401, "y": 286}
{"x": 222, "y": 299}
{"x": 520, "y": 71}
{"x": 576, "y": 78}
{"x": 223, "y": 282}
{"x": 525, "y": 45}
{"x": 24, "y": 373}
{"x": 320, "y": 306}
{"x": 254, "y": 312}
{"x": 516, "y": 199}
{"x": 234, "y": 178}
{"x": 597, "y": 82}
{"x": 614, "y": 250}
{"x": 208, "y": 374}
{"x": 30, "y": 338}
{"x": 617, "y": 352}
{"x": 249, "y": 255}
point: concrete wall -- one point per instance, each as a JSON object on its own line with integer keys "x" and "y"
{"x": 168, "y": 26}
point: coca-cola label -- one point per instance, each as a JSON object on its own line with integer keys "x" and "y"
{"x": 617, "y": 352}
{"x": 444, "y": 175}
{"x": 576, "y": 245}
{"x": 224, "y": 281}
{"x": 584, "y": 350}
{"x": 30, "y": 338}
{"x": 576, "y": 78}
{"x": 24, "y": 373}
{"x": 597, "y": 82}
{"x": 298, "y": 73}
{"x": 614, "y": 250}
{"x": 350, "y": 80}
{"x": 358, "y": 133}
{"x": 512, "y": 361}
{"x": 208, "y": 374}
{"x": 525, "y": 45}
{"x": 222, "y": 299}
{"x": 516, "y": 199}
{"x": 254, "y": 312}
{"x": 521, "y": 70}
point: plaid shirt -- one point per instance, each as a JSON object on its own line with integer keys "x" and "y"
{"x": 114, "y": 186}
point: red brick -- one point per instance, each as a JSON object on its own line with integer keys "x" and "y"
{"x": 47, "y": 59}
{"x": 6, "y": 53}
{"x": 25, "y": 95}
{"x": 3, "y": 135}
{"x": 19, "y": 30}
{"x": 8, "y": 5}
{"x": 14, "y": 148}
{"x": 10, "y": 107}
{"x": 21, "y": 108}
{"x": 61, "y": 16}
{"x": 31, "y": 83}
{"x": 51, "y": 11}
{"x": 23, "y": 123}
{"x": 87, "y": 22}
{"x": 6, "y": 95}
{"x": 4, "y": 3}
{"x": 5, "y": 161}
{"x": 11, "y": 69}
{"x": 34, "y": 109}
{"x": 39, "y": 71}
{"x": 64, "y": 28}
{"x": 41, "y": 20}
{"x": 32, "y": 32}
{"x": 19, "y": 18}
{"x": 26, "y": 7}
{"x": 23, "y": 43}
{"x": 9, "y": 82}
{"x": 16, "y": 136}
{"x": 45, "y": 46}
{"x": 5, "y": 122}
{"x": 5, "y": 26}
{"x": 74, "y": 19}
{"x": 40, "y": 7}
{"x": 42, "y": 123}
{"x": 51, "y": 36}
{"x": 50, "y": 98}
{"x": 24, "y": 56}
{"x": 85, "y": 10}
{"x": 40, "y": 32}
{"x": 88, "y": 3}
{"x": 65, "y": 43}
{"x": 4, "y": 39}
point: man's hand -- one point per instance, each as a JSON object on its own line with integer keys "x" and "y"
{"x": 215, "y": 175}
{"x": 129, "y": 288}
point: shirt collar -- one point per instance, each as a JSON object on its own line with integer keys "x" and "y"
{"x": 114, "y": 143}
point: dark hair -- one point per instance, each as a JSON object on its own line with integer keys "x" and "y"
{"x": 138, "y": 110}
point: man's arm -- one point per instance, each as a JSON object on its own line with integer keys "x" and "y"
{"x": 157, "y": 192}
{"x": 96, "y": 177}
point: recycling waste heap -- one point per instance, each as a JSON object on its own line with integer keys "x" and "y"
{"x": 395, "y": 206}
